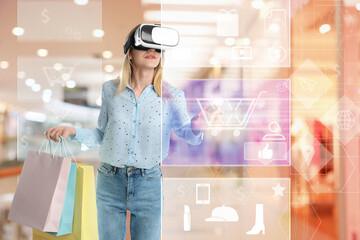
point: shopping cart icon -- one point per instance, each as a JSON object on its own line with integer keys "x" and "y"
{"x": 55, "y": 76}
{"x": 228, "y": 112}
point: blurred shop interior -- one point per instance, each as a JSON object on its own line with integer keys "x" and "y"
{"x": 324, "y": 43}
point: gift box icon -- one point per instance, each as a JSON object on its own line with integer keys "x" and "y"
{"x": 228, "y": 23}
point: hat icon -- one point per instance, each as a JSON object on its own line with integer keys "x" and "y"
{"x": 223, "y": 214}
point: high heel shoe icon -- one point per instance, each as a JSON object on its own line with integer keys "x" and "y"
{"x": 259, "y": 221}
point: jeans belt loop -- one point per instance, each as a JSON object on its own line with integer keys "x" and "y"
{"x": 142, "y": 172}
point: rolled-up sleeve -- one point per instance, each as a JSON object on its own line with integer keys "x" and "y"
{"x": 181, "y": 121}
{"x": 93, "y": 137}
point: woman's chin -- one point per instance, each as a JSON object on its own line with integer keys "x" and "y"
{"x": 147, "y": 65}
{"x": 150, "y": 66}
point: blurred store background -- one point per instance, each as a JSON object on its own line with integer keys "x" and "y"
{"x": 51, "y": 73}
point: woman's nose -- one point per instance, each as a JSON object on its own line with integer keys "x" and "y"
{"x": 151, "y": 50}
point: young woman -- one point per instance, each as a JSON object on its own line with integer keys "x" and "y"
{"x": 137, "y": 114}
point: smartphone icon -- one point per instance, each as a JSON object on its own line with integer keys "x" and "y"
{"x": 202, "y": 193}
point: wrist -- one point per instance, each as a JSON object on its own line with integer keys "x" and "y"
{"x": 73, "y": 131}
{"x": 195, "y": 126}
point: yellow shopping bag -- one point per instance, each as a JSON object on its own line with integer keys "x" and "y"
{"x": 85, "y": 216}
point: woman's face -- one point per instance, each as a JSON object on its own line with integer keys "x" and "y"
{"x": 145, "y": 59}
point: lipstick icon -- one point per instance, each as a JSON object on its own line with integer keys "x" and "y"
{"x": 187, "y": 218}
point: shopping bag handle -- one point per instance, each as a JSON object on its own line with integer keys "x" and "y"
{"x": 48, "y": 144}
{"x": 62, "y": 140}
{"x": 61, "y": 147}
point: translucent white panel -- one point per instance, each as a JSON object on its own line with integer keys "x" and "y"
{"x": 59, "y": 20}
{"x": 226, "y": 208}
{"x": 245, "y": 123}
{"x": 45, "y": 104}
{"x": 266, "y": 27}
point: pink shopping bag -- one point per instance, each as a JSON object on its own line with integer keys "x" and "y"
{"x": 39, "y": 198}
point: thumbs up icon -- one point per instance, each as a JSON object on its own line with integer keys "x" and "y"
{"x": 266, "y": 153}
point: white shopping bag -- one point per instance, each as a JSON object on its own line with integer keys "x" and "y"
{"x": 228, "y": 23}
{"x": 39, "y": 198}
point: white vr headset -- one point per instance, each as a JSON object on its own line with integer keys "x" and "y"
{"x": 152, "y": 36}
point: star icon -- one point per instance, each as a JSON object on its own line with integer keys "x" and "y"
{"x": 278, "y": 190}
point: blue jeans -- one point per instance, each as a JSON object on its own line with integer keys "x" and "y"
{"x": 138, "y": 190}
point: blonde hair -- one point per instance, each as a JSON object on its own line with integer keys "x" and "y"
{"x": 127, "y": 72}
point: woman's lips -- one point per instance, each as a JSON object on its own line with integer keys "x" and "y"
{"x": 150, "y": 57}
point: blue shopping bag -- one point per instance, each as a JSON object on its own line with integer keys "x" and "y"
{"x": 66, "y": 221}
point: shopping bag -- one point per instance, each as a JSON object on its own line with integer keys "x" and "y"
{"x": 85, "y": 214}
{"x": 67, "y": 215}
{"x": 39, "y": 197}
{"x": 227, "y": 23}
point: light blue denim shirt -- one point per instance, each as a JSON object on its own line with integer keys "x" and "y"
{"x": 136, "y": 132}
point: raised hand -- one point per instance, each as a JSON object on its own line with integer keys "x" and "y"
{"x": 55, "y": 132}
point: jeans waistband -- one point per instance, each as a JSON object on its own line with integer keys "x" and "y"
{"x": 129, "y": 169}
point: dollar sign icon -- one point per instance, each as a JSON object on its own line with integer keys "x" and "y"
{"x": 337, "y": 70}
{"x": 24, "y": 141}
{"x": 45, "y": 18}
{"x": 181, "y": 192}
{"x": 277, "y": 54}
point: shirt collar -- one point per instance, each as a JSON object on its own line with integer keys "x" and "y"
{"x": 149, "y": 86}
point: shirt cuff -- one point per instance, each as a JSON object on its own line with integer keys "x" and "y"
{"x": 76, "y": 135}
{"x": 198, "y": 138}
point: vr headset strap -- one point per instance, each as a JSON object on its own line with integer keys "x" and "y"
{"x": 126, "y": 47}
